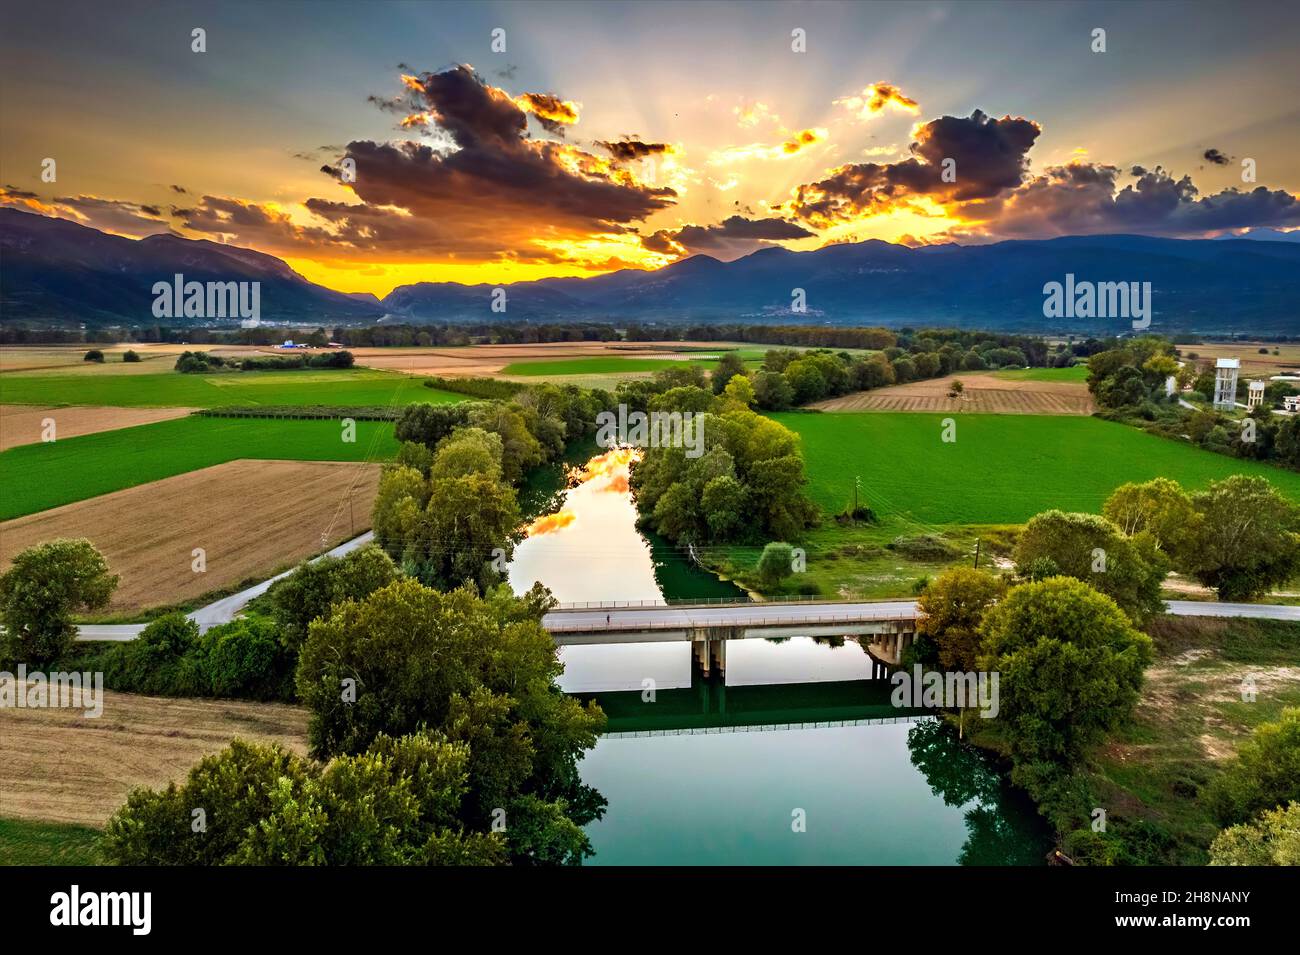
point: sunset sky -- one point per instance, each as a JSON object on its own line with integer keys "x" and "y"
{"x": 630, "y": 135}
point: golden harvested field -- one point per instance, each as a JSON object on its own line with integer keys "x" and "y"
{"x": 484, "y": 360}
{"x": 983, "y": 393}
{"x": 70, "y": 359}
{"x": 1253, "y": 364}
{"x": 24, "y": 424}
{"x": 252, "y": 519}
{"x": 56, "y": 765}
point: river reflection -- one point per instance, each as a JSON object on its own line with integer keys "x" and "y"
{"x": 712, "y": 772}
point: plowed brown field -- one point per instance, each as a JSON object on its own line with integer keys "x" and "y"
{"x": 983, "y": 394}
{"x": 252, "y": 518}
{"x": 483, "y": 360}
{"x": 25, "y": 424}
{"x": 58, "y": 766}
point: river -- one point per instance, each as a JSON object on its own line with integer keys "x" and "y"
{"x": 798, "y": 757}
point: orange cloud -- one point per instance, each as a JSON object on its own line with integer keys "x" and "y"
{"x": 876, "y": 98}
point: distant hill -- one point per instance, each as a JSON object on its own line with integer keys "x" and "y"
{"x": 52, "y": 270}
{"x": 1266, "y": 235}
{"x": 57, "y": 272}
{"x": 1197, "y": 285}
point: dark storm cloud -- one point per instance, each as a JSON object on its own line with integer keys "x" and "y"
{"x": 483, "y": 189}
{"x": 630, "y": 150}
{"x": 1082, "y": 198}
{"x": 731, "y": 238}
{"x": 987, "y": 157}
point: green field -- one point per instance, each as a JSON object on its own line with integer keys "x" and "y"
{"x": 47, "y": 843}
{"x": 40, "y": 476}
{"x": 361, "y": 386}
{"x": 601, "y": 365}
{"x": 1002, "y": 469}
{"x": 1073, "y": 373}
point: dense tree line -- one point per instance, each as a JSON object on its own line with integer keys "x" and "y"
{"x": 201, "y": 362}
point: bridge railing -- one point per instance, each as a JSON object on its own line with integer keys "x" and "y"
{"x": 677, "y": 624}
{"x": 715, "y": 602}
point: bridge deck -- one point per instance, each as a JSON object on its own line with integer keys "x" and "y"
{"x": 662, "y": 622}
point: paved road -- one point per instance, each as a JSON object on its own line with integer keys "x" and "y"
{"x": 218, "y": 612}
{"x": 1207, "y": 608}
{"x": 567, "y": 619}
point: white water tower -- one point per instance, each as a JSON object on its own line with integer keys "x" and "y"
{"x": 1225, "y": 382}
{"x": 1254, "y": 394}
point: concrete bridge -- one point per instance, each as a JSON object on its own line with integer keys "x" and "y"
{"x": 890, "y": 626}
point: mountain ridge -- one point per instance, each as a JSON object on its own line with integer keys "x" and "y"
{"x": 57, "y": 271}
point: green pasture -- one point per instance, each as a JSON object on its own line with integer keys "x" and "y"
{"x": 40, "y": 476}
{"x": 47, "y": 843}
{"x": 1073, "y": 373}
{"x": 355, "y": 386}
{"x": 1002, "y": 469}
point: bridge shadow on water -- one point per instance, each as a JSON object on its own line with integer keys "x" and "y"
{"x": 711, "y": 704}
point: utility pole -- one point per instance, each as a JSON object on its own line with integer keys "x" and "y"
{"x": 977, "y": 552}
{"x": 857, "y": 482}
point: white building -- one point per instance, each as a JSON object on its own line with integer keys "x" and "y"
{"x": 1291, "y": 403}
{"x": 1225, "y": 382}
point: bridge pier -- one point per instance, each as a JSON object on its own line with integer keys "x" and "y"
{"x": 709, "y": 650}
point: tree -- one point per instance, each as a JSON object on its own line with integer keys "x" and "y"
{"x": 447, "y": 530}
{"x": 775, "y": 563}
{"x": 953, "y": 607}
{"x": 739, "y": 392}
{"x": 1092, "y": 549}
{"x": 1070, "y": 665}
{"x": 477, "y": 671}
{"x": 1160, "y": 508}
{"x": 428, "y": 424}
{"x": 1264, "y": 774}
{"x": 46, "y": 585}
{"x": 316, "y": 586}
{"x": 130, "y": 356}
{"x": 468, "y": 451}
{"x": 94, "y": 355}
{"x": 724, "y": 506}
{"x": 1272, "y": 839}
{"x": 397, "y": 804}
{"x": 1249, "y": 538}
{"x": 729, "y": 365}
{"x": 772, "y": 392}
{"x": 520, "y": 450}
